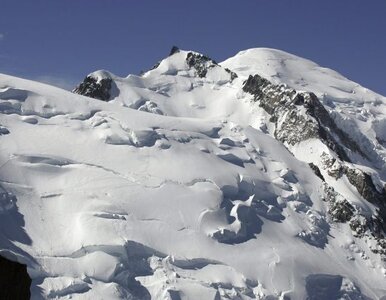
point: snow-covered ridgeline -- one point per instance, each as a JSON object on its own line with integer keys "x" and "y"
{"x": 182, "y": 185}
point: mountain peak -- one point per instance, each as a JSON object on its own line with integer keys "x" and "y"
{"x": 174, "y": 50}
{"x": 189, "y": 181}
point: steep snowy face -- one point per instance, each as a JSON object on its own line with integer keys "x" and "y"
{"x": 334, "y": 130}
{"x": 354, "y": 108}
{"x": 196, "y": 180}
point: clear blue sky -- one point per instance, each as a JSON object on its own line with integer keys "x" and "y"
{"x": 61, "y": 41}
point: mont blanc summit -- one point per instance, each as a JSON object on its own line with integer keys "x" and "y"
{"x": 259, "y": 177}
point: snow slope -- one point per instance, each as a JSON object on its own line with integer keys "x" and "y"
{"x": 176, "y": 188}
{"x": 354, "y": 108}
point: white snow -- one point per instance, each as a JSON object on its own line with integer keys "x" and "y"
{"x": 175, "y": 188}
{"x": 355, "y": 109}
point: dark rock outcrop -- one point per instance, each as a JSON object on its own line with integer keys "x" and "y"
{"x": 14, "y": 280}
{"x": 372, "y": 229}
{"x": 200, "y": 63}
{"x": 288, "y": 106}
{"x": 299, "y": 116}
{"x": 233, "y": 74}
{"x": 365, "y": 227}
{"x": 93, "y": 88}
{"x": 332, "y": 165}
{"x": 255, "y": 86}
{"x": 326, "y": 125}
{"x": 339, "y": 209}
{"x": 3, "y": 130}
{"x": 174, "y": 50}
{"x": 366, "y": 188}
{"x": 316, "y": 170}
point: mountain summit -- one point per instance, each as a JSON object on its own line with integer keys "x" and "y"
{"x": 260, "y": 177}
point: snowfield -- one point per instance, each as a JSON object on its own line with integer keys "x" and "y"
{"x": 176, "y": 188}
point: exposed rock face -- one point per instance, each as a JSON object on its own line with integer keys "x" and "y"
{"x": 340, "y": 210}
{"x": 361, "y": 181}
{"x": 365, "y": 186}
{"x": 200, "y": 63}
{"x": 316, "y": 170}
{"x": 316, "y": 109}
{"x": 174, "y": 50}
{"x": 14, "y": 280}
{"x": 299, "y": 116}
{"x": 370, "y": 228}
{"x": 93, "y": 88}
{"x": 255, "y": 85}
{"x": 233, "y": 74}
{"x": 333, "y": 166}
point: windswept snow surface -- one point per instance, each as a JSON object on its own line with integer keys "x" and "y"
{"x": 176, "y": 189}
{"x": 355, "y": 109}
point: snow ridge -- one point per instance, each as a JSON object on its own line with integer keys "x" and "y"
{"x": 261, "y": 177}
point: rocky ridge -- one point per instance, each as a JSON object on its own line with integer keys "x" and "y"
{"x": 188, "y": 181}
{"x": 299, "y": 116}
{"x": 97, "y": 88}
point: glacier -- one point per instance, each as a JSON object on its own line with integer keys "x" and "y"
{"x": 260, "y": 177}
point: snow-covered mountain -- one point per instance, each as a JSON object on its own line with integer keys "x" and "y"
{"x": 261, "y": 177}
